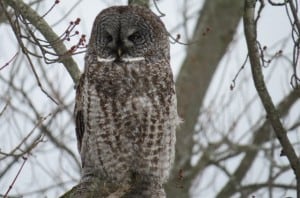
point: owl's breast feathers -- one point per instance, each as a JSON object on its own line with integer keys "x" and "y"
{"x": 122, "y": 79}
{"x": 139, "y": 82}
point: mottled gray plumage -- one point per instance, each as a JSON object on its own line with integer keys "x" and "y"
{"x": 125, "y": 110}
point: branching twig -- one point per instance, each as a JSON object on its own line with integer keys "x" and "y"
{"x": 16, "y": 30}
{"x": 42, "y": 26}
{"x": 33, "y": 145}
{"x": 272, "y": 113}
{"x": 294, "y": 13}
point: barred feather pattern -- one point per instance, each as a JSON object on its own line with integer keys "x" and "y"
{"x": 126, "y": 118}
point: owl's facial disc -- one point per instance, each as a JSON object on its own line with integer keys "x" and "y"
{"x": 122, "y": 45}
{"x": 124, "y": 39}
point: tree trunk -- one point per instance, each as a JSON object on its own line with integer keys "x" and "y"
{"x": 214, "y": 32}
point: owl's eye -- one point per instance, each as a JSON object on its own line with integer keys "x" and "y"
{"x": 106, "y": 37}
{"x": 135, "y": 37}
{"x": 109, "y": 38}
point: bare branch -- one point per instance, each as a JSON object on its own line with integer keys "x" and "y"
{"x": 260, "y": 136}
{"x": 32, "y": 16}
{"x": 272, "y": 113}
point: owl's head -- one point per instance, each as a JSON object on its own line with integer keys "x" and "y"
{"x": 128, "y": 33}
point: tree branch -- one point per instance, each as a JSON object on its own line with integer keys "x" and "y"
{"x": 272, "y": 113}
{"x": 139, "y": 2}
{"x": 260, "y": 136}
{"x": 44, "y": 28}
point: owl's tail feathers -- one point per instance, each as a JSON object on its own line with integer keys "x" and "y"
{"x": 146, "y": 187}
{"x": 94, "y": 188}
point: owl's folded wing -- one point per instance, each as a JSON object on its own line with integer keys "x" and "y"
{"x": 78, "y": 113}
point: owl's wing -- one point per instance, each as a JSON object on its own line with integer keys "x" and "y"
{"x": 78, "y": 112}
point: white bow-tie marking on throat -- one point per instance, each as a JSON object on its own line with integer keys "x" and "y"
{"x": 133, "y": 59}
{"x": 124, "y": 59}
{"x": 105, "y": 60}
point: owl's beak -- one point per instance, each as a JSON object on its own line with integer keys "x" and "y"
{"x": 119, "y": 51}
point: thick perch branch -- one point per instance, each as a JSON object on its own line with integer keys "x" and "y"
{"x": 139, "y": 2}
{"x": 44, "y": 28}
{"x": 272, "y": 113}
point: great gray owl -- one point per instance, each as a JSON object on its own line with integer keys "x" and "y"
{"x": 125, "y": 111}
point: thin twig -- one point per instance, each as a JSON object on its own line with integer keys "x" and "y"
{"x": 15, "y": 179}
{"x": 272, "y": 113}
{"x": 158, "y": 10}
{"x": 4, "y": 108}
{"x": 232, "y": 86}
{"x": 38, "y": 139}
{"x": 16, "y": 31}
{"x": 10, "y": 61}
{"x": 51, "y": 8}
{"x": 277, "y": 4}
{"x": 42, "y": 26}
